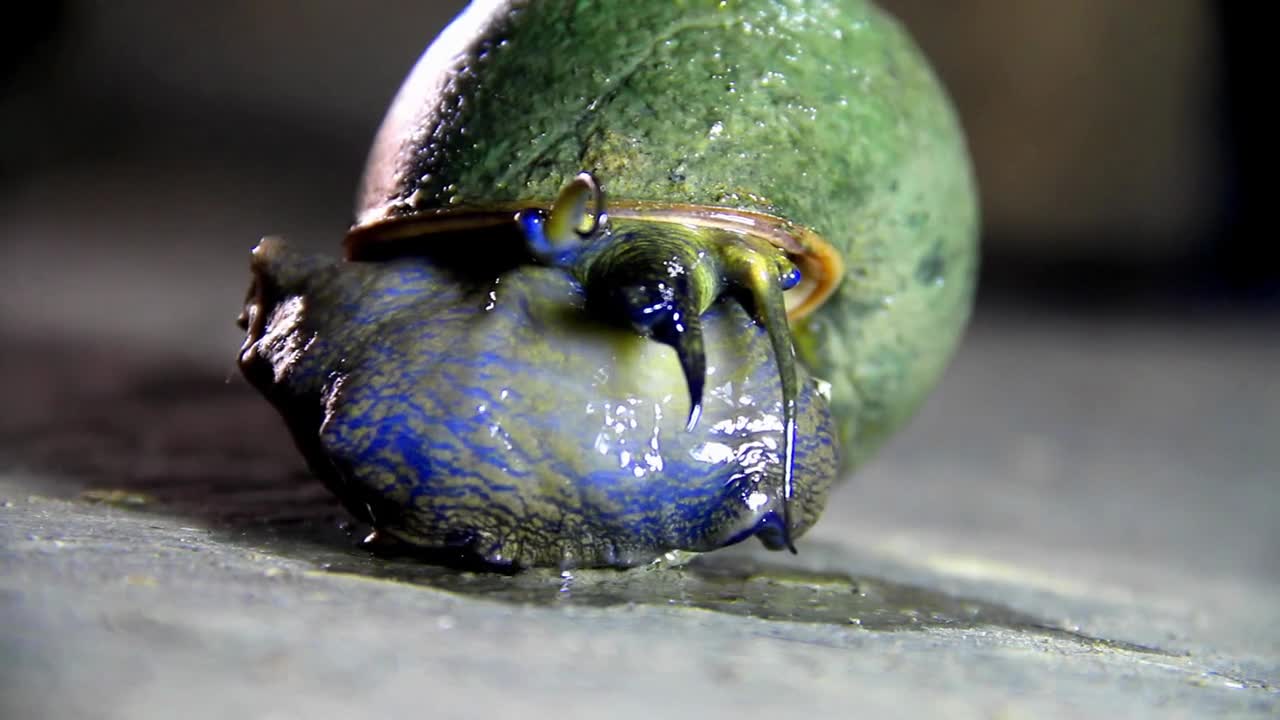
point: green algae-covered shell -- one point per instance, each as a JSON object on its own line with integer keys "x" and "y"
{"x": 821, "y": 113}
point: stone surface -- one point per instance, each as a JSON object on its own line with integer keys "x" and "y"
{"x": 1081, "y": 523}
{"x": 1082, "y": 520}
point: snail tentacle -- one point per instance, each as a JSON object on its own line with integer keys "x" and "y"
{"x": 764, "y": 273}
{"x": 656, "y": 281}
{"x": 571, "y": 220}
{"x": 559, "y": 236}
{"x": 666, "y": 316}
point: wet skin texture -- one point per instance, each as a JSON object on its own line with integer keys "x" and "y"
{"x": 822, "y": 112}
{"x": 486, "y": 410}
{"x": 499, "y": 419}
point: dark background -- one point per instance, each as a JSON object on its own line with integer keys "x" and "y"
{"x": 1118, "y": 145}
{"x": 1129, "y": 310}
{"x": 1101, "y": 454}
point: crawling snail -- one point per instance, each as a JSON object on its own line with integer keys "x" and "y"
{"x": 627, "y": 278}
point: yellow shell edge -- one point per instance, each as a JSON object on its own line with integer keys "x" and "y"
{"x": 821, "y": 266}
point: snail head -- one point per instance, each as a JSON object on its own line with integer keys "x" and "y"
{"x": 660, "y": 277}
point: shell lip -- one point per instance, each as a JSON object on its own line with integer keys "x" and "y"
{"x": 821, "y": 265}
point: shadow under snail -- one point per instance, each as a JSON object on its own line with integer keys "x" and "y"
{"x": 626, "y": 279}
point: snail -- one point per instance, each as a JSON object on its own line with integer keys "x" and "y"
{"x": 627, "y": 278}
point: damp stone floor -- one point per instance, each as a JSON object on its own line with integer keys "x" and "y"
{"x": 1081, "y": 522}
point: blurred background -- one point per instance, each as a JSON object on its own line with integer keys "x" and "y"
{"x": 1128, "y": 323}
{"x": 1118, "y": 145}
{"x": 1107, "y": 431}
{"x": 1129, "y": 312}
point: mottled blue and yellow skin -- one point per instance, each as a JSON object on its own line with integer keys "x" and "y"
{"x": 494, "y": 417}
{"x": 463, "y": 401}
{"x": 824, "y": 113}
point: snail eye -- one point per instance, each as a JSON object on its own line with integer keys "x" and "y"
{"x": 791, "y": 278}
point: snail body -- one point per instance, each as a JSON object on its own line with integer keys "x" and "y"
{"x": 627, "y": 279}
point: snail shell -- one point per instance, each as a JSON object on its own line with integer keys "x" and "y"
{"x": 817, "y": 124}
{"x": 467, "y": 379}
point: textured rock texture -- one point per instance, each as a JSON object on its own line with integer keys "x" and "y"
{"x": 1080, "y": 524}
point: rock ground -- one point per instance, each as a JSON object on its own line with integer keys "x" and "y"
{"x": 1080, "y": 523}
